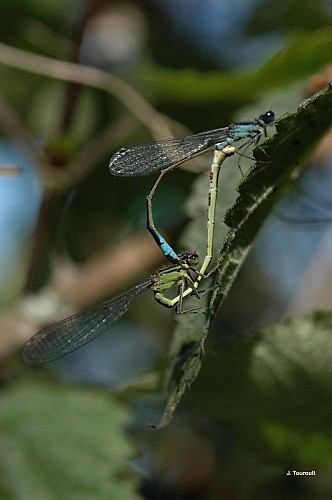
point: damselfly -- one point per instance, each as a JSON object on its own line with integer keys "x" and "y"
{"x": 162, "y": 156}
{"x": 70, "y": 334}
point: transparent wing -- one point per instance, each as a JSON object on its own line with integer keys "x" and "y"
{"x": 67, "y": 335}
{"x": 145, "y": 159}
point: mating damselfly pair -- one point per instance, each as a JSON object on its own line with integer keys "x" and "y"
{"x": 162, "y": 156}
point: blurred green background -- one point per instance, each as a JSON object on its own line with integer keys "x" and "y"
{"x": 73, "y": 235}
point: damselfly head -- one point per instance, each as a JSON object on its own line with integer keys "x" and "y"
{"x": 189, "y": 258}
{"x": 268, "y": 118}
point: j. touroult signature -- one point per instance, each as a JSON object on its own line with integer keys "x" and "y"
{"x": 301, "y": 473}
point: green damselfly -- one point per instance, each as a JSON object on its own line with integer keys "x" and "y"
{"x": 70, "y": 334}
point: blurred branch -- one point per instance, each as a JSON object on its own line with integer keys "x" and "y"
{"x": 96, "y": 150}
{"x": 80, "y": 286}
{"x": 72, "y": 90}
{"x": 13, "y": 127}
{"x": 93, "y": 77}
{"x": 10, "y": 170}
{"x": 70, "y": 174}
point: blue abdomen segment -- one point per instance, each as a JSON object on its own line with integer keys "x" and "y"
{"x": 166, "y": 249}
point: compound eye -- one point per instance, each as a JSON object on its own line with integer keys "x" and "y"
{"x": 193, "y": 258}
{"x": 268, "y": 117}
{"x": 189, "y": 258}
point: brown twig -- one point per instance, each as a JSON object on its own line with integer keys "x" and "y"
{"x": 10, "y": 170}
{"x": 55, "y": 178}
{"x": 93, "y": 77}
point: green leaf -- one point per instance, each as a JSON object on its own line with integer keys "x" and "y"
{"x": 62, "y": 442}
{"x": 279, "y": 161}
{"x": 314, "y": 449}
{"x": 275, "y": 390}
{"x": 304, "y": 54}
{"x": 291, "y": 366}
